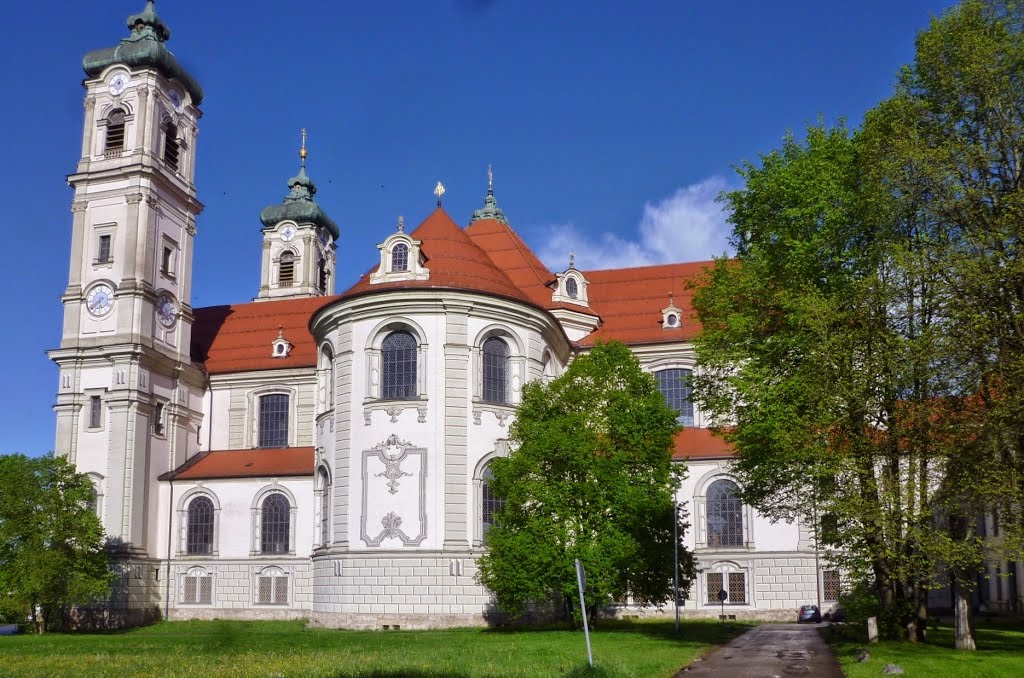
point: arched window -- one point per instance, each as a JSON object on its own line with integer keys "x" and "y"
{"x": 171, "y": 148}
{"x": 325, "y": 507}
{"x": 273, "y": 422}
{"x": 571, "y": 288}
{"x": 199, "y": 532}
{"x": 286, "y": 269}
{"x": 115, "y": 132}
{"x": 489, "y": 504}
{"x": 398, "y": 380}
{"x": 725, "y": 514}
{"x": 93, "y": 502}
{"x": 495, "y": 371}
{"x": 321, "y": 275}
{"x": 400, "y": 258}
{"x": 674, "y": 384}
{"x": 274, "y": 524}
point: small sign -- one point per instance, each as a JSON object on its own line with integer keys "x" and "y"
{"x": 723, "y": 595}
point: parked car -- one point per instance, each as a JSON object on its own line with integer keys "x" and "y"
{"x": 808, "y": 613}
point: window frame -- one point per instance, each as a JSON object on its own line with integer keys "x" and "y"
{"x": 410, "y": 378}
{"x": 108, "y": 126}
{"x": 198, "y": 573}
{"x": 667, "y": 389}
{"x": 256, "y": 521}
{"x": 172, "y": 151}
{"x": 322, "y": 497}
{"x": 95, "y": 418}
{"x": 184, "y": 504}
{"x": 286, "y": 411}
{"x": 292, "y": 259}
{"x": 731, "y": 514}
{"x": 500, "y": 363}
{"x": 399, "y": 255}
{"x": 729, "y": 573}
{"x": 275, "y": 573}
{"x": 700, "y": 510}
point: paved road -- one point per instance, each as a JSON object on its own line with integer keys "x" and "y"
{"x": 770, "y": 651}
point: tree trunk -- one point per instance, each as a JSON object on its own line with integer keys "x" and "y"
{"x": 962, "y": 614}
{"x": 922, "y": 614}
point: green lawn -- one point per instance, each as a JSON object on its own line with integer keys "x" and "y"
{"x": 225, "y": 648}
{"x": 1000, "y": 653}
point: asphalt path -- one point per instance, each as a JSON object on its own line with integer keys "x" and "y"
{"x": 770, "y": 651}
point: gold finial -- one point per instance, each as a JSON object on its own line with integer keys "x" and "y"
{"x": 490, "y": 179}
{"x": 439, "y": 191}
{"x": 572, "y": 259}
{"x": 280, "y": 331}
{"x": 671, "y": 300}
{"x": 302, "y": 152}
{"x": 401, "y": 224}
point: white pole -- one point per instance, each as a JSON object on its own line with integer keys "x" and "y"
{"x": 675, "y": 574}
{"x": 580, "y": 578}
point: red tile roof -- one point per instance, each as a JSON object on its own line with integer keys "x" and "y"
{"x": 259, "y": 463}
{"x": 238, "y": 338}
{"x": 700, "y": 443}
{"x": 509, "y": 253}
{"x": 454, "y": 261}
{"x": 629, "y": 302}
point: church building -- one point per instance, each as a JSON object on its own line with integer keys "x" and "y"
{"x": 322, "y": 450}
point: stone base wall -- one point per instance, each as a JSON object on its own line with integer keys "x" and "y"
{"x": 421, "y": 590}
{"x": 234, "y": 589}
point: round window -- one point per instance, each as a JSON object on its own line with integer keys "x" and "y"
{"x": 571, "y": 288}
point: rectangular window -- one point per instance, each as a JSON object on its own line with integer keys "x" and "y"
{"x": 714, "y": 585}
{"x": 197, "y": 590}
{"x": 171, "y": 147}
{"x": 103, "y": 250}
{"x": 830, "y": 584}
{"x": 272, "y": 591}
{"x": 674, "y": 385}
{"x": 737, "y": 587}
{"x": 273, "y": 420}
{"x": 167, "y": 262}
{"x": 158, "y": 419}
{"x": 95, "y": 412}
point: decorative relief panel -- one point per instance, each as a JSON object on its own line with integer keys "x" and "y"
{"x": 394, "y": 493}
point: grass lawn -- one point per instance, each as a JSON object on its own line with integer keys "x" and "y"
{"x": 228, "y": 648}
{"x": 1000, "y": 653}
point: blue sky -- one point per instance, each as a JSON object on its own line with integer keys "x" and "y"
{"x": 610, "y": 125}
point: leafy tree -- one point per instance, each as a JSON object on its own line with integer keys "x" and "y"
{"x": 590, "y": 477}
{"x": 51, "y": 542}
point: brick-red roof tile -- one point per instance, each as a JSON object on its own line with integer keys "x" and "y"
{"x": 257, "y": 463}
{"x": 700, "y": 443}
{"x": 238, "y": 338}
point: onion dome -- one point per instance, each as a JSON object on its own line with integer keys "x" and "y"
{"x": 490, "y": 210}
{"x": 299, "y": 205}
{"x": 145, "y": 47}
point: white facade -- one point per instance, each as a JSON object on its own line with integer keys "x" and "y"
{"x": 286, "y": 477}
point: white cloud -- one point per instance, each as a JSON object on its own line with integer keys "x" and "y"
{"x": 686, "y": 226}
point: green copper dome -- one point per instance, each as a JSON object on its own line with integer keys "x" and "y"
{"x": 299, "y": 206}
{"x": 490, "y": 210}
{"x": 144, "y": 48}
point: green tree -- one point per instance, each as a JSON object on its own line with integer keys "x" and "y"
{"x": 590, "y": 477}
{"x": 51, "y": 542}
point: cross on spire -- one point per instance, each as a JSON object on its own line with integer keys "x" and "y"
{"x": 572, "y": 259}
{"x": 439, "y": 191}
{"x": 303, "y": 153}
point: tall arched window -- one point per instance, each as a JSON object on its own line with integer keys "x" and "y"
{"x": 199, "y": 532}
{"x": 725, "y": 514}
{"x": 496, "y": 371}
{"x": 674, "y": 384}
{"x": 489, "y": 504}
{"x": 171, "y": 147}
{"x": 275, "y": 523}
{"x": 398, "y": 381}
{"x": 286, "y": 269}
{"x": 400, "y": 258}
{"x": 115, "y": 132}
{"x": 325, "y": 507}
{"x": 572, "y": 288}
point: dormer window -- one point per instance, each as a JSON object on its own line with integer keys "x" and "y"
{"x": 286, "y": 269}
{"x": 671, "y": 320}
{"x": 671, "y": 316}
{"x": 172, "y": 149}
{"x": 572, "y": 288}
{"x": 280, "y": 347}
{"x": 400, "y": 258}
{"x": 115, "y": 133}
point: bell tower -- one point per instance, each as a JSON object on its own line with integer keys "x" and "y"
{"x": 128, "y": 402}
{"x": 298, "y": 242}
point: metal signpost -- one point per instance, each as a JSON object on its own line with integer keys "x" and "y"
{"x": 722, "y": 595}
{"x": 581, "y": 579}
{"x": 675, "y": 537}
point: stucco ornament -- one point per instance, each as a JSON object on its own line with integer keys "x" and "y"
{"x": 392, "y": 471}
{"x": 402, "y": 501}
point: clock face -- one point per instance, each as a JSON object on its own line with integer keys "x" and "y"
{"x": 100, "y": 300}
{"x": 166, "y": 310}
{"x": 117, "y": 84}
{"x": 175, "y": 98}
{"x": 287, "y": 233}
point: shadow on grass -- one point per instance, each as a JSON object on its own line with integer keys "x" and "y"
{"x": 689, "y": 630}
{"x": 581, "y": 671}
